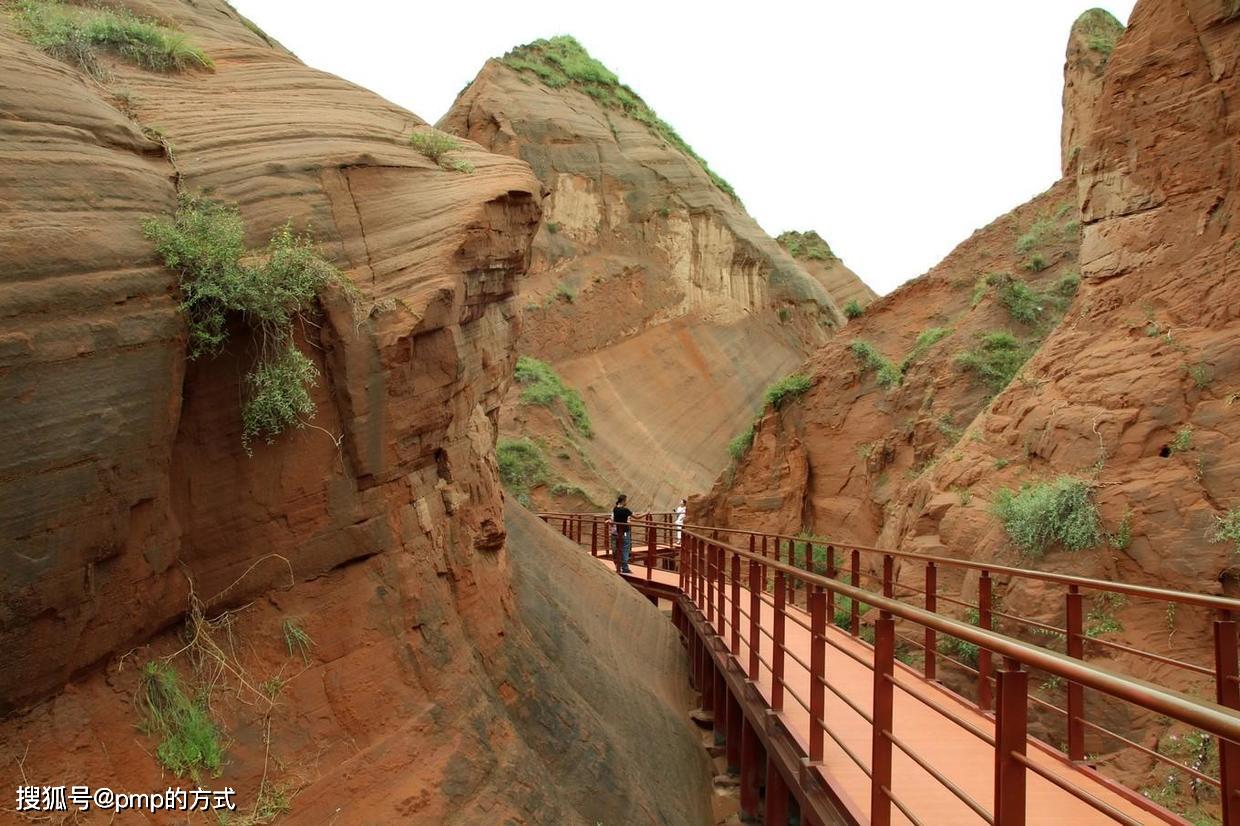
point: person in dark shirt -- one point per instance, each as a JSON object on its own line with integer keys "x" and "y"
{"x": 620, "y": 515}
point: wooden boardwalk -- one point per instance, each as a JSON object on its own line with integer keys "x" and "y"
{"x": 941, "y": 742}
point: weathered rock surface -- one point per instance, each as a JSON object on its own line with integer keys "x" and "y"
{"x": 651, "y": 291}
{"x": 438, "y": 687}
{"x": 1090, "y": 44}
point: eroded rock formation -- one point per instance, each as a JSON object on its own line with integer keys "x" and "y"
{"x": 440, "y": 683}
{"x": 652, "y": 291}
{"x": 1090, "y": 44}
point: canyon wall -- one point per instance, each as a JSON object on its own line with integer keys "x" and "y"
{"x": 431, "y": 685}
{"x": 652, "y": 291}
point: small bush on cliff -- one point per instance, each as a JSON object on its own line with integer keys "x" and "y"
{"x": 1039, "y": 516}
{"x": 995, "y": 361}
{"x": 78, "y": 34}
{"x": 562, "y": 61}
{"x": 925, "y": 340}
{"x": 436, "y": 145}
{"x": 789, "y": 387}
{"x": 205, "y": 244}
{"x": 871, "y": 360}
{"x": 189, "y": 740}
{"x": 543, "y": 386}
{"x": 1227, "y": 528}
{"x": 739, "y": 446}
{"x": 522, "y": 466}
{"x": 853, "y": 309}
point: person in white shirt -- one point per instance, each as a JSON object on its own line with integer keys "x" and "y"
{"x": 680, "y": 518}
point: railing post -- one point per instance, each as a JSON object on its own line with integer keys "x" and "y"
{"x": 755, "y": 608}
{"x": 1011, "y": 722}
{"x": 1074, "y": 625}
{"x": 932, "y": 604}
{"x": 888, "y": 575}
{"x": 1226, "y": 675}
{"x": 751, "y": 766}
{"x": 709, "y": 583}
{"x": 880, "y": 759}
{"x": 650, "y": 550}
{"x": 682, "y": 565}
{"x": 831, "y": 573}
{"x": 854, "y": 616}
{"x": 720, "y": 570}
{"x": 817, "y": 671}
{"x": 984, "y": 695}
{"x": 764, "y": 576}
{"x": 777, "y": 650}
{"x": 776, "y": 796}
{"x": 593, "y": 537}
{"x": 736, "y": 604}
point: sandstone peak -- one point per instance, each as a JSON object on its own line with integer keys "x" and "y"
{"x": 1090, "y": 43}
{"x": 562, "y": 61}
{"x": 814, "y": 254}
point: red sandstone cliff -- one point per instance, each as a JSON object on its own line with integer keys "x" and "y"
{"x": 652, "y": 291}
{"x": 439, "y": 683}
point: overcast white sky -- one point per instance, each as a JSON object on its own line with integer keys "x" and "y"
{"x": 895, "y": 129}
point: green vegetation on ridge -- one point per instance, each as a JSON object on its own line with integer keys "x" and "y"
{"x": 189, "y": 739}
{"x": 1101, "y": 28}
{"x": 522, "y": 467}
{"x": 807, "y": 244}
{"x": 544, "y": 387}
{"x": 78, "y": 34}
{"x": 562, "y": 61}
{"x": 789, "y": 387}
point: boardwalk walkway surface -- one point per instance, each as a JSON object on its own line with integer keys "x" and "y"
{"x": 950, "y": 748}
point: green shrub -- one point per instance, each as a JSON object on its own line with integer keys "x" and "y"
{"x": 1201, "y": 374}
{"x": 1036, "y": 235}
{"x": 543, "y": 386}
{"x": 433, "y": 144}
{"x": 739, "y": 446}
{"x": 1227, "y": 528}
{"x": 843, "y": 611}
{"x": 995, "y": 361}
{"x": 279, "y": 395}
{"x": 553, "y": 227}
{"x": 888, "y": 374}
{"x": 1022, "y": 302}
{"x": 925, "y": 340}
{"x": 522, "y": 466}
{"x": 785, "y": 315}
{"x": 789, "y": 387}
{"x": 1100, "y": 29}
{"x": 1041, "y": 515}
{"x": 806, "y": 245}
{"x": 566, "y": 292}
{"x": 1068, "y": 284}
{"x": 853, "y": 309}
{"x": 77, "y": 34}
{"x": 1037, "y": 262}
{"x": 205, "y": 244}
{"x": 189, "y": 740}
{"x": 1122, "y": 538}
{"x": 562, "y": 61}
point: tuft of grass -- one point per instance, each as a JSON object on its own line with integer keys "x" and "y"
{"x": 1023, "y": 303}
{"x": 1042, "y": 515}
{"x": 789, "y": 387}
{"x": 925, "y": 340}
{"x": 853, "y": 309}
{"x": 78, "y": 34}
{"x": 541, "y": 385}
{"x": 522, "y": 466}
{"x": 1227, "y": 528}
{"x": 995, "y": 361}
{"x": 566, "y": 292}
{"x": 219, "y": 280}
{"x": 561, "y": 61}
{"x": 1001, "y": 463}
{"x": 870, "y": 359}
{"x": 739, "y": 446}
{"x": 1201, "y": 374}
{"x": 1183, "y": 439}
{"x": 296, "y": 640}
{"x": 785, "y": 315}
{"x": 808, "y": 244}
{"x": 1037, "y": 262}
{"x": 1101, "y": 617}
{"x": 1122, "y": 538}
{"x": 189, "y": 739}
{"x": 1068, "y": 284}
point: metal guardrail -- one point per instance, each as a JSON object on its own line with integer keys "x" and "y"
{"x": 713, "y": 573}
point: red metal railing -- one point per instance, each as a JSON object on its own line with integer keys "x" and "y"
{"x": 734, "y": 586}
